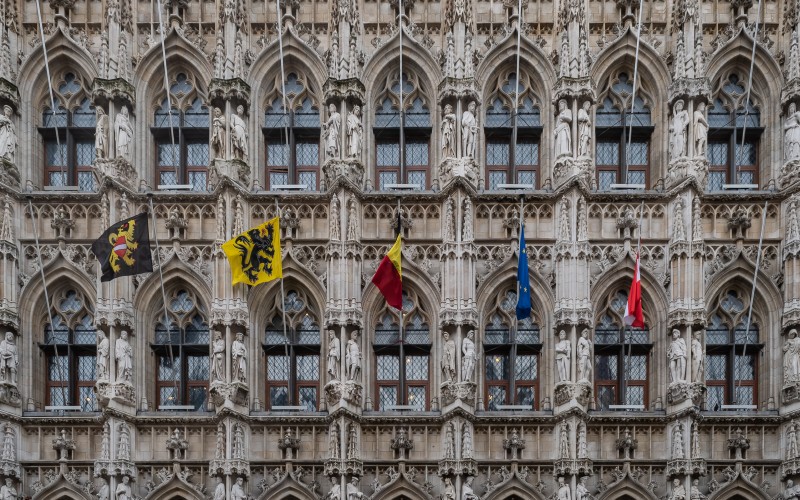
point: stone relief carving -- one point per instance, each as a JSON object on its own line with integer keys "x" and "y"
{"x": 449, "y": 221}
{"x": 677, "y": 443}
{"x": 334, "y": 355}
{"x": 791, "y": 441}
{"x": 677, "y": 131}
{"x": 105, "y": 443}
{"x": 562, "y": 134}
{"x": 564, "y": 230}
{"x": 123, "y": 491}
{"x": 583, "y": 452}
{"x": 237, "y": 490}
{"x": 449, "y": 440}
{"x": 677, "y": 358}
{"x": 563, "y": 355}
{"x": 353, "y": 450}
{"x": 334, "y": 445}
{"x": 238, "y": 451}
{"x": 678, "y": 227}
{"x": 123, "y": 442}
{"x": 469, "y": 131}
{"x": 176, "y": 445}
{"x": 331, "y": 132}
{"x": 791, "y": 358}
{"x": 563, "y": 441}
{"x": 352, "y": 219}
{"x": 239, "y": 355}
{"x": 353, "y": 357}
{"x": 123, "y": 354}
{"x": 336, "y": 223}
{"x": 355, "y": 132}
{"x": 467, "y": 449}
{"x": 448, "y": 358}
{"x": 123, "y": 134}
{"x": 466, "y": 227}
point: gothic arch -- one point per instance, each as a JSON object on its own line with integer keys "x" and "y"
{"x": 541, "y": 293}
{"x": 767, "y": 75}
{"x": 296, "y": 54}
{"x": 415, "y": 57}
{"x": 532, "y": 58}
{"x": 57, "y": 272}
{"x": 286, "y": 489}
{"x": 515, "y": 488}
{"x": 61, "y": 489}
{"x": 623, "y": 51}
{"x": 739, "y": 489}
{"x": 413, "y": 278}
{"x": 147, "y": 300}
{"x": 174, "y": 488}
{"x": 767, "y": 302}
{"x": 400, "y": 488}
{"x": 179, "y": 50}
{"x": 655, "y": 300}
{"x": 627, "y": 489}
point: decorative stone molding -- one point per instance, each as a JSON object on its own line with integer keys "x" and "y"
{"x": 681, "y": 169}
{"x": 235, "y": 392}
{"x": 458, "y": 88}
{"x": 116, "y": 90}
{"x": 229, "y": 467}
{"x": 697, "y": 89}
{"x": 580, "y": 467}
{"x": 347, "y": 170}
{"x": 790, "y": 173}
{"x": 452, "y": 168}
{"x": 685, "y": 466}
{"x": 451, "y": 466}
{"x": 566, "y": 392}
{"x": 348, "y": 390}
{"x": 350, "y": 89}
{"x": 234, "y": 90}
{"x": 452, "y": 392}
{"x": 681, "y": 391}
{"x": 352, "y": 467}
{"x": 402, "y": 443}
{"x": 9, "y": 94}
{"x": 235, "y": 170}
{"x": 113, "y": 312}
{"x": 289, "y": 444}
{"x": 230, "y": 312}
{"x": 9, "y": 173}
{"x": 576, "y": 88}
{"x": 117, "y": 170}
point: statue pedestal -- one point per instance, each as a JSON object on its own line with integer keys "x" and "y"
{"x": 457, "y": 393}
{"x": 570, "y": 394}
{"x": 567, "y": 167}
{"x": 236, "y": 171}
{"x": 451, "y": 168}
{"x": 229, "y": 395}
{"x": 9, "y": 173}
{"x": 118, "y": 170}
{"x": 685, "y": 394}
{"x": 9, "y": 395}
{"x": 348, "y": 393}
{"x": 790, "y": 173}
{"x": 683, "y": 168}
{"x": 348, "y": 170}
{"x": 452, "y": 466}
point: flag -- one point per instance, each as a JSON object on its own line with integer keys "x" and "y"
{"x": 389, "y": 276}
{"x": 124, "y": 249}
{"x": 634, "y": 316}
{"x": 523, "y": 279}
{"x": 255, "y": 255}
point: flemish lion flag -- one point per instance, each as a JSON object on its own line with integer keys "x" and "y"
{"x": 389, "y": 275}
{"x": 255, "y": 255}
{"x": 124, "y": 249}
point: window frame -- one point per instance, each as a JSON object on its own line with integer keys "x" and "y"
{"x": 297, "y": 135}
{"x": 503, "y": 135}
{"x": 511, "y": 349}
{"x": 69, "y": 137}
{"x": 293, "y": 385}
{"x": 733, "y": 140}
{"x": 409, "y": 136}
{"x": 181, "y": 351}
{"x": 639, "y": 134}
{"x": 184, "y": 135}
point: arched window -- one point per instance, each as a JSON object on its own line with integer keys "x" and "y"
{"x": 511, "y": 352}
{"x": 615, "y": 119}
{"x": 292, "y": 158}
{"x": 512, "y": 159}
{"x": 620, "y": 356}
{"x": 292, "y": 361}
{"x": 70, "y": 345}
{"x": 68, "y": 135}
{"x": 730, "y": 365}
{"x": 182, "y": 352}
{"x": 184, "y": 161}
{"x": 730, "y": 161}
{"x": 402, "y": 366}
{"x": 413, "y": 167}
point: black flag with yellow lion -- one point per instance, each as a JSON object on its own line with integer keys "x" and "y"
{"x": 124, "y": 249}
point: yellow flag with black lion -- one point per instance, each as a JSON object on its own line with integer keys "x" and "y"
{"x": 255, "y": 255}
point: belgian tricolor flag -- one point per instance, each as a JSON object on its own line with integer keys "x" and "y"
{"x": 389, "y": 276}
{"x": 124, "y": 249}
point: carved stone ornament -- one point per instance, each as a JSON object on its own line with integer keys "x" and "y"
{"x": 345, "y": 170}
{"x": 234, "y": 90}
{"x": 452, "y": 168}
{"x": 738, "y": 444}
{"x": 402, "y": 443}
{"x": 289, "y": 444}
{"x": 9, "y": 466}
{"x": 739, "y": 223}
{"x": 514, "y": 444}
{"x": 452, "y": 392}
{"x": 684, "y": 391}
{"x": 177, "y": 445}
{"x": 627, "y": 444}
{"x": 117, "y": 170}
{"x": 566, "y": 392}
{"x": 117, "y": 90}
{"x": 349, "y": 391}
{"x": 63, "y": 445}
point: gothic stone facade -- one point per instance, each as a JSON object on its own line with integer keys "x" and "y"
{"x": 126, "y": 390}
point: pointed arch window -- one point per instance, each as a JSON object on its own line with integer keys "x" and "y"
{"x": 616, "y": 160}
{"x": 181, "y": 351}
{"x": 731, "y": 161}
{"x": 292, "y": 158}
{"x": 621, "y": 356}
{"x": 186, "y": 160}
{"x": 512, "y": 159}
{"x": 402, "y": 365}
{"x": 415, "y": 139}
{"x": 70, "y": 346}
{"x": 68, "y": 136}
{"x": 512, "y": 351}
{"x": 292, "y": 361}
{"x": 731, "y": 364}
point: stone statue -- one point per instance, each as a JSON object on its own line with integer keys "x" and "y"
{"x": 584, "y": 130}
{"x": 219, "y": 447}
{"x": 239, "y": 134}
{"x": 7, "y": 491}
{"x": 677, "y": 131}
{"x": 218, "y": 359}
{"x": 449, "y": 222}
{"x": 123, "y": 134}
{"x": 103, "y": 350}
{"x": 583, "y": 452}
{"x": 581, "y": 491}
{"x": 695, "y": 441}
{"x": 352, "y": 220}
{"x": 9, "y": 362}
{"x": 697, "y": 358}
{"x": 448, "y": 132}
{"x": 123, "y": 491}
{"x": 331, "y": 132}
{"x": 105, "y": 443}
{"x": 353, "y": 492}
{"x": 791, "y": 441}
{"x": 334, "y": 355}
{"x": 238, "y": 441}
{"x": 677, "y": 442}
{"x": 123, "y": 354}
{"x": 467, "y": 493}
{"x": 564, "y": 231}
{"x": 563, "y": 355}
{"x": 355, "y": 132}
{"x": 449, "y": 490}
{"x": 791, "y": 134}
{"x": 353, "y": 357}
{"x": 584, "y": 353}
{"x": 563, "y": 441}
{"x": 104, "y": 493}
{"x": 694, "y": 493}
{"x": 469, "y": 131}
{"x": 678, "y": 490}
{"x": 562, "y": 134}
{"x": 237, "y": 490}
{"x": 468, "y": 357}
{"x": 8, "y": 134}
{"x": 466, "y": 227}
{"x": 334, "y": 444}
{"x": 448, "y": 359}
{"x": 791, "y": 357}
{"x": 239, "y": 355}
{"x": 700, "y": 130}
{"x": 352, "y": 441}
{"x": 792, "y": 491}
{"x": 101, "y": 134}
{"x": 449, "y": 440}
{"x": 563, "y": 492}
{"x": 336, "y": 220}
{"x": 218, "y": 134}
{"x": 466, "y": 441}
{"x": 123, "y": 442}
{"x": 335, "y": 492}
{"x": 9, "y": 453}
{"x": 677, "y": 358}
{"x": 219, "y": 491}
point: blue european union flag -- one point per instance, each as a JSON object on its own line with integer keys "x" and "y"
{"x": 523, "y": 280}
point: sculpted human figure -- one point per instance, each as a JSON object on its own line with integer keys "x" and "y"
{"x": 123, "y": 491}
{"x": 123, "y": 354}
{"x": 678, "y": 490}
{"x": 791, "y": 134}
{"x": 468, "y": 357}
{"x": 563, "y": 355}
{"x": 332, "y": 128}
{"x": 7, "y": 491}
{"x": 448, "y": 359}
{"x": 677, "y": 131}
{"x": 677, "y": 357}
{"x": 469, "y": 131}
{"x": 584, "y": 353}
{"x": 355, "y": 132}
{"x": 124, "y": 443}
{"x": 237, "y": 490}
{"x": 449, "y": 490}
{"x": 677, "y": 442}
{"x": 448, "y": 132}
{"x": 353, "y": 358}
{"x": 694, "y": 493}
{"x": 697, "y": 358}
{"x": 791, "y": 441}
{"x": 103, "y": 350}
{"x": 218, "y": 359}
{"x": 218, "y": 134}
{"x": 563, "y": 492}
{"x": 101, "y": 133}
{"x": 239, "y": 134}
{"x": 353, "y": 492}
{"x": 104, "y": 493}
{"x": 467, "y": 493}
{"x": 8, "y": 134}
{"x": 123, "y": 134}
{"x": 700, "y": 130}
{"x": 581, "y": 491}
{"x": 239, "y": 354}
{"x": 449, "y": 440}
{"x": 584, "y": 129}
{"x": 791, "y": 357}
{"x": 335, "y": 492}
{"x": 334, "y": 355}
{"x": 562, "y": 134}
{"x": 219, "y": 491}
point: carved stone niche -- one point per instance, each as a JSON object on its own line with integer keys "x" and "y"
{"x": 679, "y": 392}
{"x": 337, "y": 467}
{"x": 350, "y": 89}
{"x": 695, "y": 89}
{"x": 234, "y": 90}
{"x": 453, "y": 89}
{"x": 684, "y": 466}
{"x": 451, "y": 466}
{"x": 580, "y": 467}
{"x": 117, "y": 90}
{"x": 9, "y": 94}
{"x": 582, "y": 89}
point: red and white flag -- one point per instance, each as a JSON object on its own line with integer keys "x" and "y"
{"x": 634, "y": 316}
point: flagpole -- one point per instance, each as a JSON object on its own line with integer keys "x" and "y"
{"x": 167, "y": 324}
{"x": 629, "y": 328}
{"x": 283, "y": 312}
{"x": 400, "y": 233}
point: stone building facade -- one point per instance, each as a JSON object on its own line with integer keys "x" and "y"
{"x": 679, "y": 137}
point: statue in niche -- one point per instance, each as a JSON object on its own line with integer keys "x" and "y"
{"x": 334, "y": 446}
{"x": 238, "y": 442}
{"x": 562, "y": 134}
{"x": 466, "y": 441}
{"x": 104, "y": 493}
{"x": 468, "y": 356}
{"x": 449, "y": 220}
{"x": 352, "y": 220}
{"x": 677, "y": 131}
{"x": 448, "y": 358}
{"x": 331, "y": 132}
{"x": 336, "y": 222}
{"x": 694, "y": 493}
{"x": 791, "y": 441}
{"x": 449, "y": 490}
{"x": 334, "y": 355}
{"x": 695, "y": 441}
{"x": 218, "y": 134}
{"x": 353, "y": 356}
{"x": 105, "y": 443}
{"x": 449, "y": 440}
{"x": 448, "y": 132}
{"x": 239, "y": 134}
{"x": 219, "y": 491}
{"x": 335, "y": 492}
{"x": 355, "y": 132}
{"x": 237, "y": 490}
{"x": 218, "y": 359}
{"x": 792, "y": 491}
{"x": 563, "y": 355}
{"x": 123, "y": 134}
{"x": 697, "y": 358}
{"x": 103, "y": 350}
{"x": 239, "y": 354}
{"x": 123, "y": 354}
{"x": 677, "y": 358}
{"x": 583, "y": 452}
{"x": 8, "y": 134}
{"x": 679, "y": 228}
{"x": 100, "y": 134}
{"x": 563, "y": 492}
{"x": 584, "y": 130}
{"x": 123, "y": 491}
{"x": 123, "y": 442}
{"x": 469, "y": 131}
{"x": 700, "y": 131}
{"x": 219, "y": 448}
{"x": 581, "y": 491}
{"x": 9, "y": 453}
{"x": 563, "y": 441}
{"x": 466, "y": 228}
{"x": 564, "y": 232}
{"x": 9, "y": 362}
{"x": 791, "y": 357}
{"x": 352, "y": 441}
{"x": 467, "y": 493}
{"x": 584, "y": 353}
{"x": 353, "y": 492}
{"x": 678, "y": 490}
{"x": 677, "y": 442}
{"x": 791, "y": 134}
